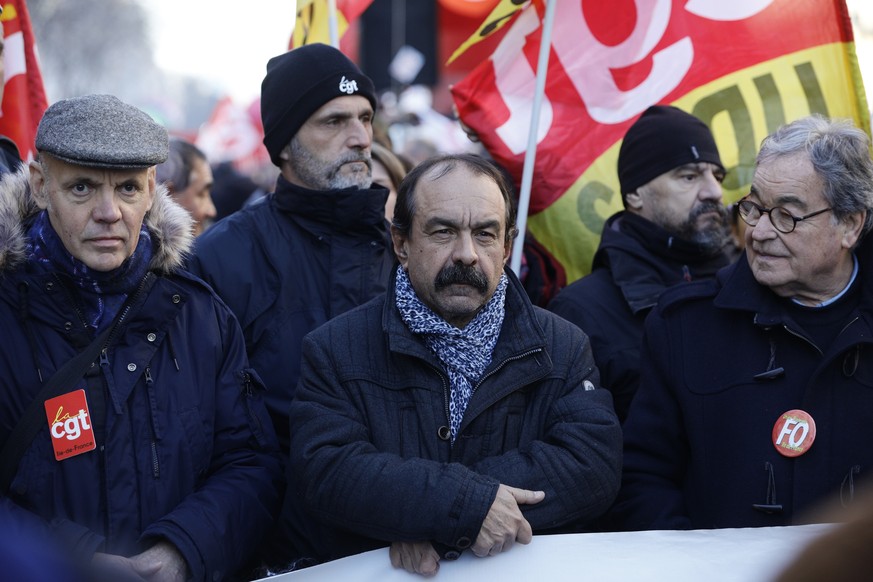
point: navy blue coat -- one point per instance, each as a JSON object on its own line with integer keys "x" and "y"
{"x": 371, "y": 451}
{"x": 635, "y": 262}
{"x": 186, "y": 451}
{"x": 698, "y": 439}
{"x": 290, "y": 263}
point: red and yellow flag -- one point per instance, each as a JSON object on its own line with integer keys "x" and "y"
{"x": 313, "y": 17}
{"x": 499, "y": 17}
{"x": 24, "y": 99}
{"x": 744, "y": 67}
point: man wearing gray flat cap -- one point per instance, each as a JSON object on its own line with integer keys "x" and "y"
{"x": 132, "y": 424}
{"x": 319, "y": 245}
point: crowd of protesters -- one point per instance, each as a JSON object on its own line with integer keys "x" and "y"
{"x": 207, "y": 379}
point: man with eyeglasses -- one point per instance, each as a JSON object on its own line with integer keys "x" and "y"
{"x": 757, "y": 386}
{"x": 674, "y": 228}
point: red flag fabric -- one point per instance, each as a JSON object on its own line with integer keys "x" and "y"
{"x": 744, "y": 67}
{"x": 24, "y": 99}
{"x": 235, "y": 133}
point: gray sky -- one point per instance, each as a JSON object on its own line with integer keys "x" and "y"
{"x": 226, "y": 42}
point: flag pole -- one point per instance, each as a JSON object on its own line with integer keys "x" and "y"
{"x": 332, "y": 23}
{"x": 530, "y": 154}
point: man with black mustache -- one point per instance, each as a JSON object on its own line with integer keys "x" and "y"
{"x": 451, "y": 413}
{"x": 319, "y": 245}
{"x": 674, "y": 228}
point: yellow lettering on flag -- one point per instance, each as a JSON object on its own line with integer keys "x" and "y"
{"x": 498, "y": 18}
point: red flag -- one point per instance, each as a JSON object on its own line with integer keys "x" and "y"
{"x": 744, "y": 67}
{"x": 235, "y": 133}
{"x": 24, "y": 99}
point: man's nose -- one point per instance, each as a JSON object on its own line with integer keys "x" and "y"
{"x": 464, "y": 250}
{"x": 106, "y": 207}
{"x": 764, "y": 229}
{"x": 360, "y": 134}
{"x": 711, "y": 189}
{"x": 209, "y": 210}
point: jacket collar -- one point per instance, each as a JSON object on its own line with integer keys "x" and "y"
{"x": 329, "y": 211}
{"x": 645, "y": 259}
{"x": 741, "y": 291}
{"x": 521, "y": 332}
{"x": 169, "y": 224}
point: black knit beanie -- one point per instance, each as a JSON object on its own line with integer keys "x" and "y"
{"x": 298, "y": 83}
{"x": 663, "y": 138}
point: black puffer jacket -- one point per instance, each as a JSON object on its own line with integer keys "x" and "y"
{"x": 290, "y": 263}
{"x": 635, "y": 262}
{"x": 371, "y": 456}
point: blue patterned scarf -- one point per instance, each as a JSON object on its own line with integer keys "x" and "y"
{"x": 464, "y": 352}
{"x": 103, "y": 292}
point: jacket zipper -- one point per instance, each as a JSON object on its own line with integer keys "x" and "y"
{"x": 127, "y": 305}
{"x": 499, "y": 367}
{"x": 798, "y": 335}
{"x": 73, "y": 303}
{"x": 104, "y": 361}
{"x": 445, "y": 392}
{"x": 156, "y": 467}
{"x": 104, "y": 355}
{"x": 249, "y": 392}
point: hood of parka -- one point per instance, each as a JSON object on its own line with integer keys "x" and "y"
{"x": 170, "y": 225}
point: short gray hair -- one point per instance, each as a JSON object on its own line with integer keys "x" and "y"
{"x": 840, "y": 155}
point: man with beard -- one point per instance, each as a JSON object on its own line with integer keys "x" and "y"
{"x": 451, "y": 413}
{"x": 316, "y": 247}
{"x": 673, "y": 228}
{"x": 320, "y": 244}
{"x": 756, "y": 384}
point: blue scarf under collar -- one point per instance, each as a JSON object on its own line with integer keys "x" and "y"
{"x": 464, "y": 352}
{"x": 103, "y": 292}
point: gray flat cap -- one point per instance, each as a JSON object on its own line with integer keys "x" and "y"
{"x": 101, "y": 131}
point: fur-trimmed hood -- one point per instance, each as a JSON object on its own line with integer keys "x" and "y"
{"x": 170, "y": 224}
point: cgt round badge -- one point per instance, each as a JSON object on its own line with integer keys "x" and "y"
{"x": 793, "y": 433}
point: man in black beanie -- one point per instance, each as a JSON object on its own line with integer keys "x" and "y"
{"x": 673, "y": 228}
{"x": 319, "y": 245}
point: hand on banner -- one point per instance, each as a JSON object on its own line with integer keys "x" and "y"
{"x": 415, "y": 557}
{"x": 160, "y": 563}
{"x": 504, "y": 525}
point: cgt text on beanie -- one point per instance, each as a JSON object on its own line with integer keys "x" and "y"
{"x": 300, "y": 81}
{"x": 663, "y": 138}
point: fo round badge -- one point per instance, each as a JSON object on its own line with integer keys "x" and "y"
{"x": 793, "y": 433}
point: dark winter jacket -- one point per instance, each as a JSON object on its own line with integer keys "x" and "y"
{"x": 722, "y": 361}
{"x": 185, "y": 450}
{"x": 290, "y": 263}
{"x": 372, "y": 452}
{"x": 635, "y": 262}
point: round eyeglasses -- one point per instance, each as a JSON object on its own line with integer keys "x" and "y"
{"x": 781, "y": 219}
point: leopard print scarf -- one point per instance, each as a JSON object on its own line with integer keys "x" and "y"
{"x": 464, "y": 352}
